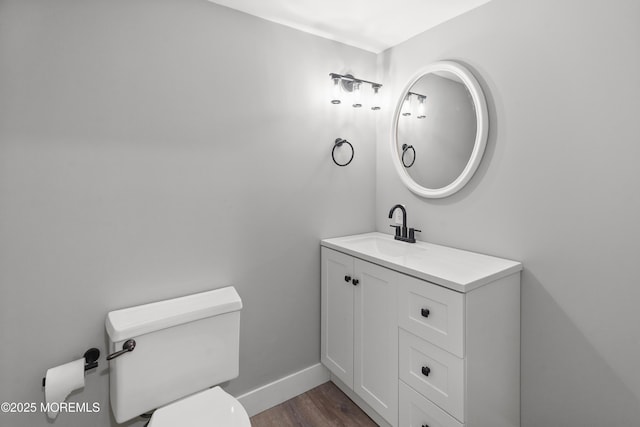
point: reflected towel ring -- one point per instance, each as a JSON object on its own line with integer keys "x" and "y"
{"x": 406, "y": 148}
{"x": 338, "y": 143}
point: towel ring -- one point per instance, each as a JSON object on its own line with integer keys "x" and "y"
{"x": 406, "y": 148}
{"x": 338, "y": 143}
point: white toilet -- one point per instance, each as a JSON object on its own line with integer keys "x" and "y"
{"x": 166, "y": 356}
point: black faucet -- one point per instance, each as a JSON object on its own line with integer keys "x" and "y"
{"x": 402, "y": 233}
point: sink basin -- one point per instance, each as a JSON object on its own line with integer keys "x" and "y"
{"x": 384, "y": 247}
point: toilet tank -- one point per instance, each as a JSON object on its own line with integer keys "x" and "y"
{"x": 183, "y": 345}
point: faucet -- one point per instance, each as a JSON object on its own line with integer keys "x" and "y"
{"x": 401, "y": 232}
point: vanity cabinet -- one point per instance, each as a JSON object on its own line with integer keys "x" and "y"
{"x": 360, "y": 329}
{"x": 425, "y": 335}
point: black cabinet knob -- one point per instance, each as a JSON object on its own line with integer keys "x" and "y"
{"x": 426, "y": 371}
{"x": 347, "y": 278}
{"x": 425, "y": 312}
{"x": 425, "y": 425}
{"x": 355, "y": 282}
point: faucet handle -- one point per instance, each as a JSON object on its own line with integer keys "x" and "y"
{"x": 412, "y": 235}
{"x": 397, "y": 227}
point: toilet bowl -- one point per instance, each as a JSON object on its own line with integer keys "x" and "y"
{"x": 169, "y": 357}
{"x": 209, "y": 408}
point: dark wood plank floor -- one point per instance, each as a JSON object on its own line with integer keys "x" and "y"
{"x": 323, "y": 406}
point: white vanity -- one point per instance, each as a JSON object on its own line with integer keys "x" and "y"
{"x": 422, "y": 334}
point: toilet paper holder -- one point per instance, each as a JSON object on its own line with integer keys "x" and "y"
{"x": 91, "y": 357}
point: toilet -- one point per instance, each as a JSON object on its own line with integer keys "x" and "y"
{"x": 169, "y": 356}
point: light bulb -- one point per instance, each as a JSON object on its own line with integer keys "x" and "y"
{"x": 335, "y": 91}
{"x": 376, "y": 98}
{"x": 422, "y": 108}
{"x": 406, "y": 107}
{"x": 356, "y": 95}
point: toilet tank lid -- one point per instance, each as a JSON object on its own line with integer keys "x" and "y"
{"x": 143, "y": 319}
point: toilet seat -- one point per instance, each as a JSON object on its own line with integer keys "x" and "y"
{"x": 209, "y": 408}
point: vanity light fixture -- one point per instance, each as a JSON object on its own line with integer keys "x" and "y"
{"x": 376, "y": 98}
{"x": 357, "y": 103}
{"x": 350, "y": 84}
{"x": 335, "y": 90}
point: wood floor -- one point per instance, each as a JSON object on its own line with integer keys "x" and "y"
{"x": 323, "y": 406}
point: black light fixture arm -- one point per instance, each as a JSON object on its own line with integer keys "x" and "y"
{"x": 419, "y": 95}
{"x": 353, "y": 79}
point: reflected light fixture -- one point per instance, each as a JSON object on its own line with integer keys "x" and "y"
{"x": 350, "y": 84}
{"x": 406, "y": 106}
{"x": 409, "y": 107}
{"x": 422, "y": 109}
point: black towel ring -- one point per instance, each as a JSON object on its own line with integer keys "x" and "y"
{"x": 406, "y": 148}
{"x": 338, "y": 143}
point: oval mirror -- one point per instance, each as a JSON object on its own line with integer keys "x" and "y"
{"x": 440, "y": 130}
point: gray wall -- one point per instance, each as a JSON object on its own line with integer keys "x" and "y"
{"x": 155, "y": 148}
{"x": 150, "y": 149}
{"x": 557, "y": 189}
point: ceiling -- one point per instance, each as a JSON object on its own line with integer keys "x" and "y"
{"x": 373, "y": 25}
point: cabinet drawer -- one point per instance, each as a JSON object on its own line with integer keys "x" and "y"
{"x": 433, "y": 313}
{"x": 417, "y": 411}
{"x": 435, "y": 373}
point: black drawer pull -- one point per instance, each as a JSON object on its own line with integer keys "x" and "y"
{"x": 425, "y": 425}
{"x": 426, "y": 371}
{"x": 425, "y": 312}
{"x": 347, "y": 278}
{"x": 355, "y": 282}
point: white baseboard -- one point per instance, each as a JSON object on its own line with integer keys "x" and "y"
{"x": 272, "y": 394}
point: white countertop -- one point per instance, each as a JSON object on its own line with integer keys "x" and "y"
{"x": 455, "y": 269}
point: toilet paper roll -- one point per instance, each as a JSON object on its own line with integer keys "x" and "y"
{"x": 60, "y": 382}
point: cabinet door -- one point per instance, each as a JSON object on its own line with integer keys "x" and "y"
{"x": 376, "y": 338}
{"x": 336, "y": 344}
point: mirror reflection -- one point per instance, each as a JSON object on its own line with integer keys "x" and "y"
{"x": 436, "y": 129}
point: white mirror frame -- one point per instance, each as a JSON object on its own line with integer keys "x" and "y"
{"x": 482, "y": 123}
